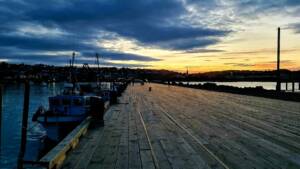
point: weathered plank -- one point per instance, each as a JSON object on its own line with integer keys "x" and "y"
{"x": 175, "y": 127}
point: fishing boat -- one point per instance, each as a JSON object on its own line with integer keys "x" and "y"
{"x": 65, "y": 112}
{"x": 68, "y": 109}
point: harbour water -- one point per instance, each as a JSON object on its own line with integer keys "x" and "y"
{"x": 12, "y": 117}
{"x": 265, "y": 85}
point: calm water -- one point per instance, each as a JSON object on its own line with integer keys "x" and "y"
{"x": 12, "y": 117}
{"x": 265, "y": 85}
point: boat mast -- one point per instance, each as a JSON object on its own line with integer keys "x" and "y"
{"x": 72, "y": 78}
{"x": 73, "y": 59}
{"x": 98, "y": 69}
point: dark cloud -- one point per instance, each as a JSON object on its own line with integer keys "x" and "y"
{"x": 147, "y": 22}
{"x": 64, "y": 60}
{"x": 295, "y": 27}
{"x": 150, "y": 23}
{"x": 188, "y": 44}
{"x": 40, "y": 43}
{"x": 38, "y": 58}
{"x": 120, "y": 56}
{"x": 253, "y": 8}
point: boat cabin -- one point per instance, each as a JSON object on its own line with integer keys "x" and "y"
{"x": 69, "y": 104}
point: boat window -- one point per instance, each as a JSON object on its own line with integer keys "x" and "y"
{"x": 66, "y": 102}
{"x": 87, "y": 101}
{"x": 54, "y": 102}
{"x": 77, "y": 102}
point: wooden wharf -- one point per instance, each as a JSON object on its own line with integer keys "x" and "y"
{"x": 173, "y": 127}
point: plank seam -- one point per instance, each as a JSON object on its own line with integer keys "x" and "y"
{"x": 148, "y": 139}
{"x": 197, "y": 141}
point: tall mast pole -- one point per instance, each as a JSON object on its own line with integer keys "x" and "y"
{"x": 97, "y": 57}
{"x": 278, "y": 85}
{"x": 73, "y": 80}
{"x": 98, "y": 70}
{"x": 73, "y": 59}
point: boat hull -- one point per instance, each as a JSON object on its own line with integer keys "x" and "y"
{"x": 59, "y": 126}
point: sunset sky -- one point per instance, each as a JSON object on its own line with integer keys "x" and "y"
{"x": 203, "y": 35}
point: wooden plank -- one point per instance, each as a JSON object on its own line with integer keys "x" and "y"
{"x": 80, "y": 157}
{"x": 241, "y": 131}
{"x": 57, "y": 155}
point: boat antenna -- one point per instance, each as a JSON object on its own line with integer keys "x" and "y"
{"x": 97, "y": 62}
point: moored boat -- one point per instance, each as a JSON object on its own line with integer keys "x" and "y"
{"x": 64, "y": 113}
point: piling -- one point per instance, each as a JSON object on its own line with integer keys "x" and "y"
{"x": 24, "y": 125}
{"x": 0, "y": 115}
{"x": 293, "y": 86}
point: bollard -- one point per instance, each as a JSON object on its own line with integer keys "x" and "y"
{"x": 24, "y": 125}
{"x": 97, "y": 110}
{"x": 286, "y": 86}
{"x": 113, "y": 97}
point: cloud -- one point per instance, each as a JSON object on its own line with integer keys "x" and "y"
{"x": 189, "y": 26}
{"x": 240, "y": 64}
{"x": 121, "y": 56}
{"x": 204, "y": 50}
{"x": 261, "y": 51}
{"x": 149, "y": 21}
{"x": 62, "y": 60}
{"x": 295, "y": 27}
{"x": 40, "y": 43}
{"x": 59, "y": 25}
{"x": 188, "y": 44}
{"x": 38, "y": 59}
{"x": 285, "y": 64}
{"x": 254, "y": 8}
{"x": 262, "y": 65}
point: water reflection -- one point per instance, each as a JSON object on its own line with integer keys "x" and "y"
{"x": 12, "y": 116}
{"x": 265, "y": 85}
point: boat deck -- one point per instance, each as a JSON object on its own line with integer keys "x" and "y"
{"x": 182, "y": 128}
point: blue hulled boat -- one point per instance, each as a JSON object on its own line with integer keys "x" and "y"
{"x": 65, "y": 112}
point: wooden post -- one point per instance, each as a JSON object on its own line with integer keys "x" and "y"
{"x": 24, "y": 125}
{"x": 187, "y": 75}
{"x": 0, "y": 115}
{"x": 278, "y": 85}
{"x": 286, "y": 86}
{"x": 293, "y": 86}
